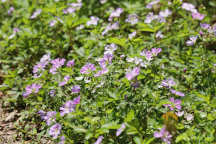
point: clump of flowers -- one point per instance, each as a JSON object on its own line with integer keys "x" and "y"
{"x": 76, "y": 89}
{"x": 132, "y": 19}
{"x": 70, "y": 63}
{"x": 66, "y": 79}
{"x": 110, "y": 27}
{"x": 135, "y": 72}
{"x": 40, "y": 66}
{"x": 69, "y": 106}
{"x": 164, "y": 135}
{"x": 73, "y": 7}
{"x": 149, "y": 5}
{"x": 56, "y": 63}
{"x": 168, "y": 83}
{"x": 93, "y": 21}
{"x": 115, "y": 14}
{"x": 177, "y": 93}
{"x": 86, "y": 69}
{"x": 55, "y": 130}
{"x": 175, "y": 104}
{"x": 34, "y": 88}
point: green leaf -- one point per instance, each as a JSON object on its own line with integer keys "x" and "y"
{"x": 112, "y": 125}
{"x": 118, "y": 41}
{"x": 137, "y": 140}
{"x": 145, "y": 27}
{"x": 130, "y": 116}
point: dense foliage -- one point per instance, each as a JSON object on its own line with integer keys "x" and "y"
{"x": 111, "y": 71}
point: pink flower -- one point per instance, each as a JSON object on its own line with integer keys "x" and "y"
{"x": 86, "y": 69}
{"x": 177, "y": 93}
{"x": 120, "y": 130}
{"x": 198, "y": 16}
{"x": 130, "y": 75}
{"x": 99, "y": 140}
{"x": 175, "y": 104}
{"x": 76, "y": 89}
{"x": 70, "y": 63}
{"x": 93, "y": 21}
{"x": 69, "y": 106}
{"x": 116, "y": 13}
{"x": 36, "y": 13}
{"x": 66, "y": 79}
{"x": 156, "y": 51}
{"x": 189, "y": 7}
{"x": 164, "y": 135}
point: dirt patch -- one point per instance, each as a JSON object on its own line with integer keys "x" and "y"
{"x": 8, "y": 134}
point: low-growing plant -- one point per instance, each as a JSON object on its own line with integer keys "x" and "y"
{"x": 104, "y": 71}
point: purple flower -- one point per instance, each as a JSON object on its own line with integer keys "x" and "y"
{"x": 177, "y": 93}
{"x": 120, "y": 130}
{"x": 66, "y": 79}
{"x": 86, "y": 69}
{"x": 69, "y": 10}
{"x": 149, "y": 5}
{"x": 10, "y": 11}
{"x": 34, "y": 88}
{"x": 150, "y": 17}
{"x": 175, "y": 104}
{"x": 189, "y": 117}
{"x": 73, "y": 7}
{"x": 189, "y": 7}
{"x": 93, "y": 21}
{"x": 115, "y": 14}
{"x": 99, "y": 140}
{"x": 103, "y": 1}
{"x": 130, "y": 75}
{"x": 101, "y": 72}
{"x": 76, "y": 89}
{"x": 56, "y": 63}
{"x": 205, "y": 26}
{"x": 192, "y": 41}
{"x": 179, "y": 113}
{"x": 35, "y": 14}
{"x": 159, "y": 35}
{"x": 148, "y": 54}
{"x": 52, "y": 93}
{"x": 164, "y": 135}
{"x": 80, "y": 27}
{"x": 41, "y": 65}
{"x": 109, "y": 49}
{"x": 110, "y": 27}
{"x": 70, "y": 63}
{"x": 156, "y": 51}
{"x": 69, "y": 106}
{"x": 62, "y": 140}
{"x": 55, "y": 130}
{"x": 165, "y": 13}
{"x": 132, "y": 35}
{"x": 42, "y": 114}
{"x": 198, "y": 16}
{"x": 50, "y": 117}
{"x": 52, "y": 23}
{"x": 168, "y": 83}
{"x": 132, "y": 19}
{"x": 15, "y": 30}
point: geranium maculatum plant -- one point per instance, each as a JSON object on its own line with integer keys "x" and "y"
{"x": 110, "y": 71}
